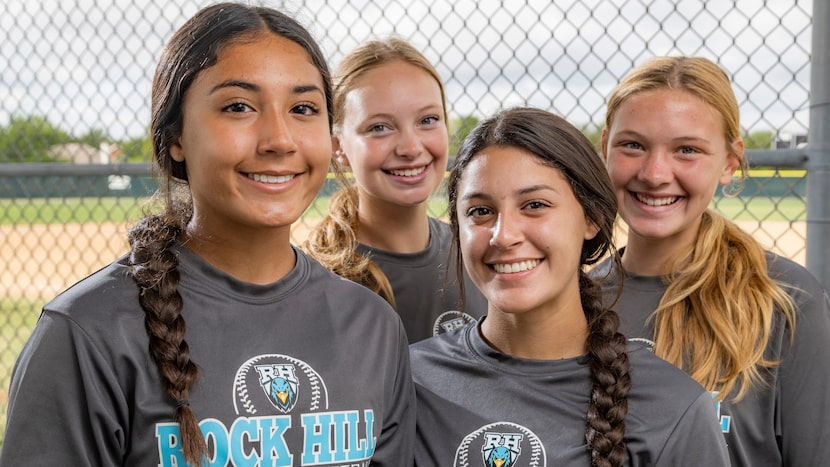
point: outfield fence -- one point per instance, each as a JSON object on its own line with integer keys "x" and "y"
{"x": 76, "y": 78}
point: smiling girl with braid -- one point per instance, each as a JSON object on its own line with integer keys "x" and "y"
{"x": 214, "y": 340}
{"x": 545, "y": 378}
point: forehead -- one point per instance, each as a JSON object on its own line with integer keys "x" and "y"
{"x": 667, "y": 111}
{"x": 266, "y": 57}
{"x": 508, "y": 169}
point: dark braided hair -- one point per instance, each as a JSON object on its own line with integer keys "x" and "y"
{"x": 562, "y": 146}
{"x": 153, "y": 265}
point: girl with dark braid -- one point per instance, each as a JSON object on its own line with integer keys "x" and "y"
{"x": 215, "y": 341}
{"x": 545, "y": 378}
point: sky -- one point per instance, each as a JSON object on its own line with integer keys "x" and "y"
{"x": 88, "y": 64}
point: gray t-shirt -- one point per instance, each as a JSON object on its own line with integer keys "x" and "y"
{"x": 785, "y": 422}
{"x": 476, "y": 405}
{"x": 312, "y": 367}
{"x": 426, "y": 290}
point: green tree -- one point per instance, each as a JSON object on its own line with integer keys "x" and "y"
{"x": 28, "y": 139}
{"x": 94, "y": 138}
{"x": 459, "y": 129}
{"x": 759, "y": 140}
{"x": 137, "y": 149}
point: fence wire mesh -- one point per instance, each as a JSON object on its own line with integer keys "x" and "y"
{"x": 76, "y": 75}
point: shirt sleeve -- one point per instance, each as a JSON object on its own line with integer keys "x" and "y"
{"x": 803, "y": 398}
{"x": 64, "y": 404}
{"x": 696, "y": 439}
{"x": 395, "y": 448}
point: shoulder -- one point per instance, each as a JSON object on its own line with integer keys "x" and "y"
{"x": 604, "y": 268}
{"x": 449, "y": 346}
{"x": 346, "y": 292}
{"x": 655, "y": 380}
{"x": 101, "y": 292}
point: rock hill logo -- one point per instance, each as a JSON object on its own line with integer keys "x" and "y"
{"x": 451, "y": 320}
{"x": 283, "y": 420}
{"x": 277, "y": 381}
{"x": 500, "y": 445}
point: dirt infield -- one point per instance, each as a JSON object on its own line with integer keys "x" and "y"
{"x": 39, "y": 261}
{"x": 42, "y": 260}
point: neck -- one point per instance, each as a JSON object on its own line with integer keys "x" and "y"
{"x": 648, "y": 256}
{"x": 544, "y": 336}
{"x": 261, "y": 257}
{"x": 391, "y": 227}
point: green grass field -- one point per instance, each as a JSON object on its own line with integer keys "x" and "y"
{"x": 96, "y": 210}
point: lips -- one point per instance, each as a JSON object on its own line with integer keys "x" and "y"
{"x": 270, "y": 179}
{"x": 407, "y": 172}
{"x": 520, "y": 266}
{"x": 656, "y": 201}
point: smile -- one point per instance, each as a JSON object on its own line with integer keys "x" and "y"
{"x": 272, "y": 179}
{"x": 512, "y": 268}
{"x": 408, "y": 172}
{"x": 656, "y": 201}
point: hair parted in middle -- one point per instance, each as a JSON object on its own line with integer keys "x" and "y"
{"x": 558, "y": 144}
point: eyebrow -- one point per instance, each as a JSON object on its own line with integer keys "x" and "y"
{"x": 235, "y": 83}
{"x": 523, "y": 191}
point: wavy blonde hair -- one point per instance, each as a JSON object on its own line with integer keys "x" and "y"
{"x": 334, "y": 241}
{"x": 714, "y": 320}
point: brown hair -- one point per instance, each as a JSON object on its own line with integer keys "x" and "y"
{"x": 713, "y": 328}
{"x": 192, "y": 49}
{"x": 560, "y": 145}
{"x": 334, "y": 241}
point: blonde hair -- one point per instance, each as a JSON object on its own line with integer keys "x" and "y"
{"x": 334, "y": 241}
{"x": 715, "y": 317}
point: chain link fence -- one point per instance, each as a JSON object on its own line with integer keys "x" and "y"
{"x": 76, "y": 75}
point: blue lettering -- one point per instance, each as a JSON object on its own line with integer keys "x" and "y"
{"x": 212, "y": 428}
{"x": 725, "y": 420}
{"x": 170, "y": 449}
{"x": 343, "y": 428}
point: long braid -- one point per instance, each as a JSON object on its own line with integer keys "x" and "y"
{"x": 610, "y": 376}
{"x": 155, "y": 269}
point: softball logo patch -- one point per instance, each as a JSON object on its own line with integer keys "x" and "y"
{"x": 451, "y": 320}
{"x": 500, "y": 445}
{"x": 268, "y": 382}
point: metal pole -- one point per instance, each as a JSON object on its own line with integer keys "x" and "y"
{"x": 818, "y": 148}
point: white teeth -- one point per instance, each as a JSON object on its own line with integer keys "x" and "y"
{"x": 656, "y": 201}
{"x": 408, "y": 172}
{"x": 516, "y": 267}
{"x": 270, "y": 178}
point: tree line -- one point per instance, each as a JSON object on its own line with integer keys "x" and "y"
{"x": 28, "y": 139}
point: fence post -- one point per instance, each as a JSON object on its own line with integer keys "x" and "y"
{"x": 818, "y": 148}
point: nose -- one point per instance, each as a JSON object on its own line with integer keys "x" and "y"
{"x": 656, "y": 169}
{"x": 276, "y": 134}
{"x": 506, "y": 232}
{"x": 409, "y": 144}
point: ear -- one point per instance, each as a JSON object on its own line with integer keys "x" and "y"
{"x": 591, "y": 229}
{"x": 603, "y": 141}
{"x": 337, "y": 149}
{"x": 176, "y": 151}
{"x": 733, "y": 161}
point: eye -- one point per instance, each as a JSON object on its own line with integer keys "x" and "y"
{"x": 632, "y": 145}
{"x": 378, "y": 128}
{"x": 237, "y": 107}
{"x": 687, "y": 150}
{"x": 430, "y": 120}
{"x": 536, "y": 205}
{"x": 477, "y": 212}
{"x": 305, "y": 109}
